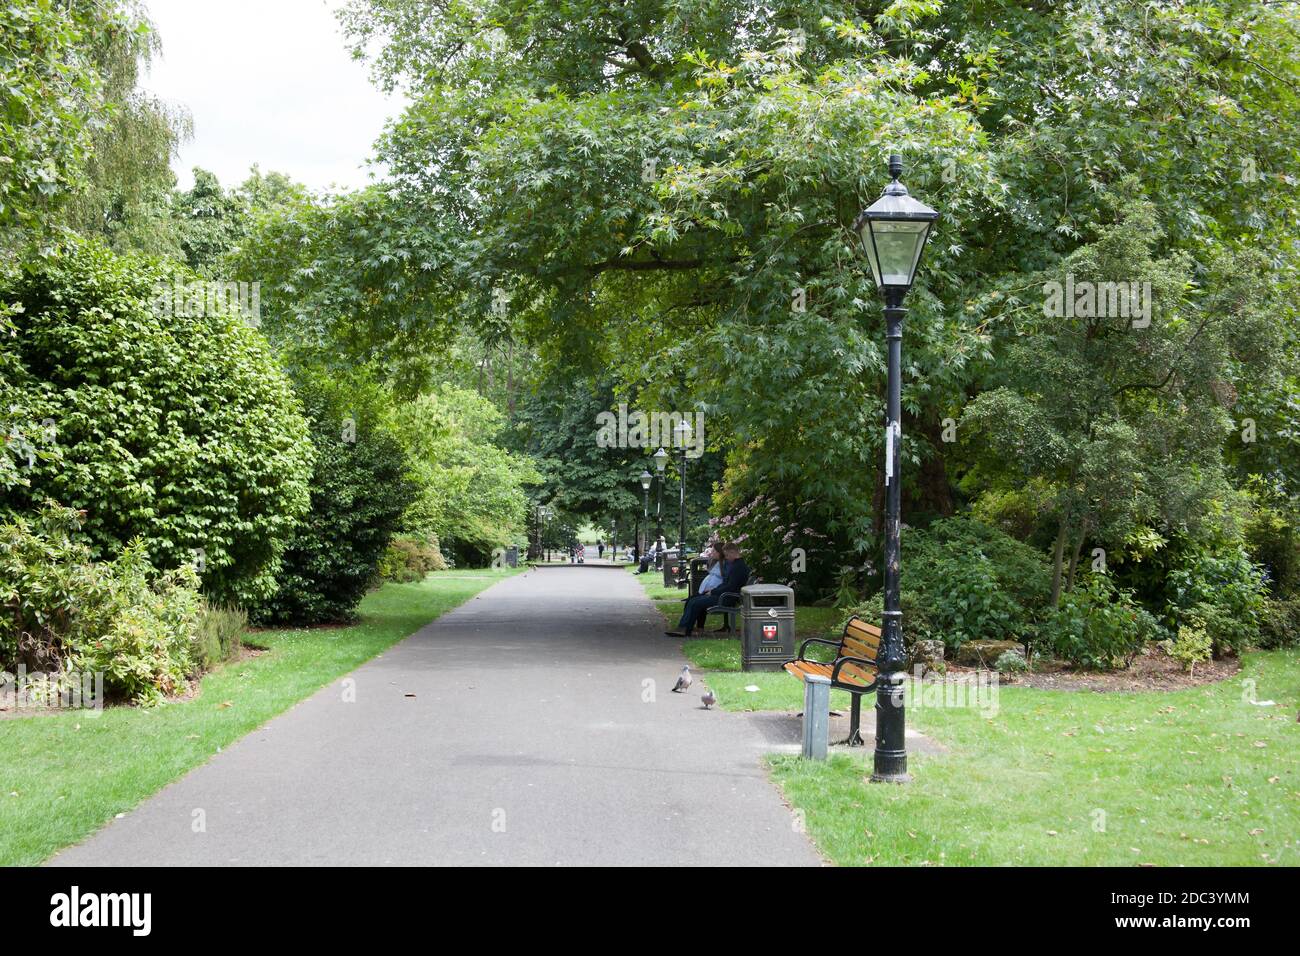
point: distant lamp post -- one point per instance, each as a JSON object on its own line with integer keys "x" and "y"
{"x": 661, "y": 459}
{"x": 543, "y": 513}
{"x": 893, "y": 230}
{"x": 682, "y": 438}
{"x": 646, "y": 479}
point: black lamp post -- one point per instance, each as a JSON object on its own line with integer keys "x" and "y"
{"x": 661, "y": 459}
{"x": 893, "y": 230}
{"x": 646, "y": 478}
{"x": 682, "y": 435}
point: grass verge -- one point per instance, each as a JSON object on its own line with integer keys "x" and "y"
{"x": 1201, "y": 777}
{"x": 64, "y": 775}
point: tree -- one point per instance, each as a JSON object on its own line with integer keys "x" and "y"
{"x": 174, "y": 425}
{"x": 1111, "y": 396}
{"x": 667, "y": 189}
{"x": 359, "y": 493}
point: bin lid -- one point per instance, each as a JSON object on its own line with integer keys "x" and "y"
{"x": 768, "y": 589}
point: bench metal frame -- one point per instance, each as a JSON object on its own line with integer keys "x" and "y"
{"x": 856, "y": 691}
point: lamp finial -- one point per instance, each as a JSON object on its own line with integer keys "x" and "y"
{"x": 895, "y": 166}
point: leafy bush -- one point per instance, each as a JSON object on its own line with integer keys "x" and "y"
{"x": 471, "y": 495}
{"x": 177, "y": 429}
{"x": 410, "y": 559}
{"x": 220, "y": 635}
{"x": 975, "y": 582}
{"x": 1279, "y": 624}
{"x": 917, "y": 623}
{"x": 62, "y": 611}
{"x": 1099, "y": 625}
{"x": 1011, "y": 662}
{"x": 359, "y": 493}
{"x": 1226, "y": 591}
{"x": 1192, "y": 646}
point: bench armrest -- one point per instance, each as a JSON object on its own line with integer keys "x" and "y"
{"x": 816, "y": 640}
{"x": 841, "y": 661}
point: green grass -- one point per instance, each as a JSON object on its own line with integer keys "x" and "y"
{"x": 64, "y": 775}
{"x": 1200, "y": 777}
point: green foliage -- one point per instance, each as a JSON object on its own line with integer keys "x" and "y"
{"x": 1279, "y": 624}
{"x": 407, "y": 560}
{"x": 219, "y": 636}
{"x": 52, "y": 91}
{"x": 918, "y": 622}
{"x": 1117, "y": 411}
{"x": 1011, "y": 662}
{"x": 128, "y": 166}
{"x": 1272, "y": 536}
{"x": 1224, "y": 589}
{"x": 178, "y": 429}
{"x": 470, "y": 491}
{"x": 1192, "y": 646}
{"x": 359, "y": 494}
{"x": 975, "y": 582}
{"x": 121, "y": 618}
{"x": 1098, "y": 626}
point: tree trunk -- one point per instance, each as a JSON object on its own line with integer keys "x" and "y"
{"x": 1058, "y": 557}
{"x": 1074, "y": 558}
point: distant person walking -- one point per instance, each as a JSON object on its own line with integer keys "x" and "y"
{"x": 600, "y": 549}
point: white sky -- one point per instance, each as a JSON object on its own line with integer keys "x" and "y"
{"x": 267, "y": 82}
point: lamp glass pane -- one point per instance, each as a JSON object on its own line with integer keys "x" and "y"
{"x": 898, "y": 246}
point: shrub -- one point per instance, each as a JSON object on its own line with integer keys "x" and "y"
{"x": 220, "y": 635}
{"x": 410, "y": 559}
{"x": 177, "y": 429}
{"x": 122, "y": 618}
{"x": 972, "y": 581}
{"x": 1226, "y": 590}
{"x": 359, "y": 493}
{"x": 1191, "y": 647}
{"x": 1099, "y": 626}
{"x": 1279, "y": 624}
{"x": 917, "y": 623}
{"x": 1011, "y": 662}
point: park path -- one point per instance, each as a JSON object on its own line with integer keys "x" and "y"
{"x": 512, "y": 730}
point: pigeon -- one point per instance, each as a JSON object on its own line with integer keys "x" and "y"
{"x": 708, "y": 699}
{"x": 683, "y": 680}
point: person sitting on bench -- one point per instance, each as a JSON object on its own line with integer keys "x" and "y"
{"x": 734, "y": 577}
{"x": 648, "y": 558}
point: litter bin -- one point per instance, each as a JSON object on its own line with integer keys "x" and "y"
{"x": 670, "y": 568}
{"x": 699, "y": 571}
{"x": 766, "y": 626}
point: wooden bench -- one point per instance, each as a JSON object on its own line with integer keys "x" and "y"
{"x": 853, "y": 670}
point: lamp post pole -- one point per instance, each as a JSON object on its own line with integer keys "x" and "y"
{"x": 661, "y": 459}
{"x": 683, "y": 559}
{"x": 646, "y": 479}
{"x": 893, "y": 230}
{"x": 891, "y": 745}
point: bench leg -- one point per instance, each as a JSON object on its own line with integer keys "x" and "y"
{"x": 854, "y": 738}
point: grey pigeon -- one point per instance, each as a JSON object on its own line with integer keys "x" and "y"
{"x": 683, "y": 681}
{"x": 708, "y": 699}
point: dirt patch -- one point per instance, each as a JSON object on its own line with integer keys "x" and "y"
{"x": 1152, "y": 670}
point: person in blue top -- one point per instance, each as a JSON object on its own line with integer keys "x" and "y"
{"x": 735, "y": 575}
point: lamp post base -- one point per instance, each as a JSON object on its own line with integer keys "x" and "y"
{"x": 890, "y": 759}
